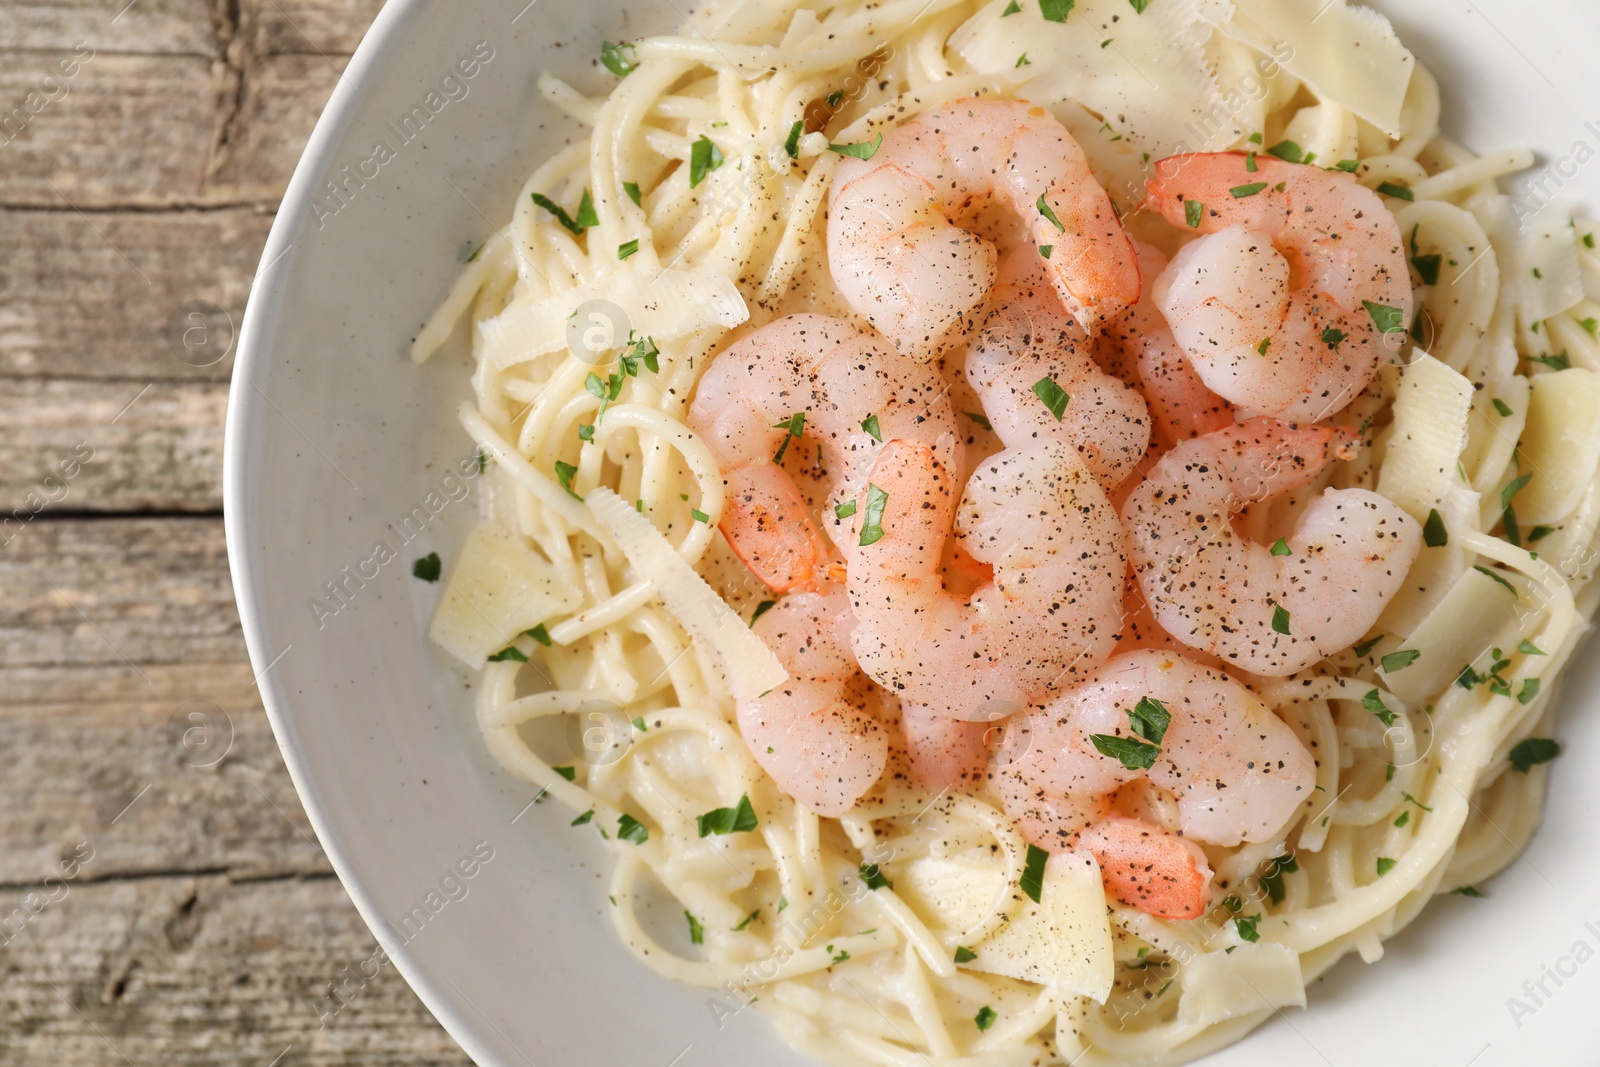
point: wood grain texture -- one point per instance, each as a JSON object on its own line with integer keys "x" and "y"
{"x": 158, "y": 269}
{"x": 162, "y": 768}
{"x": 203, "y": 971}
{"x": 143, "y": 148}
{"x": 151, "y": 446}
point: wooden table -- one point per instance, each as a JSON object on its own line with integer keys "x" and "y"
{"x": 162, "y": 898}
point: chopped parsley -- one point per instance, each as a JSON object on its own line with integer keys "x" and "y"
{"x": 586, "y": 431}
{"x": 1288, "y": 151}
{"x": 1280, "y": 547}
{"x": 1138, "y": 6}
{"x": 1399, "y": 192}
{"x": 1399, "y": 661}
{"x": 1367, "y": 646}
{"x": 1496, "y": 576}
{"x": 1503, "y": 408}
{"x": 1239, "y": 192}
{"x": 1134, "y": 754}
{"x": 627, "y": 248}
{"x": 1373, "y": 702}
{"x": 1272, "y": 881}
{"x": 985, "y": 1017}
{"x": 1024, "y": 61}
{"x": 874, "y": 878}
{"x": 1348, "y": 166}
{"x": 619, "y": 58}
{"x": 1049, "y": 213}
{"x": 1427, "y": 266}
{"x": 1434, "y": 534}
{"x": 792, "y": 144}
{"x": 1590, "y": 324}
{"x": 1559, "y": 361}
{"x": 1150, "y": 719}
{"x": 583, "y": 819}
{"x": 1247, "y": 927}
{"x": 859, "y": 150}
{"x": 796, "y": 426}
{"x": 748, "y": 919}
{"x": 1280, "y": 619}
{"x": 639, "y": 724}
{"x": 1530, "y": 689}
{"x": 1011, "y": 9}
{"x": 1045, "y": 250}
{"x": 631, "y": 829}
{"x": 540, "y": 634}
{"x": 1528, "y": 648}
{"x": 1385, "y": 865}
{"x": 761, "y": 609}
{"x": 569, "y": 773}
{"x": 509, "y": 654}
{"x": 704, "y": 157}
{"x": 1533, "y": 751}
{"x": 564, "y": 473}
{"x": 1387, "y": 319}
{"x": 1032, "y": 881}
{"x": 1056, "y": 10}
{"x": 980, "y": 419}
{"x": 641, "y": 350}
{"x": 428, "y": 568}
{"x": 870, "y": 424}
{"x": 1250, "y": 163}
{"x": 872, "y": 522}
{"x": 1193, "y": 212}
{"x": 837, "y": 957}
{"x": 697, "y": 933}
{"x": 845, "y": 510}
{"x": 632, "y": 189}
{"x": 700, "y": 516}
{"x": 1468, "y": 891}
{"x": 1266, "y": 343}
{"x": 1403, "y": 818}
{"x": 965, "y": 954}
{"x": 577, "y": 226}
{"x": 1052, "y": 395}
{"x": 741, "y": 818}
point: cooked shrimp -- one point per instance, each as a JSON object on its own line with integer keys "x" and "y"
{"x": 813, "y": 734}
{"x": 1236, "y": 771}
{"x": 840, "y": 379}
{"x": 1143, "y": 351}
{"x": 1050, "y": 611}
{"x": 943, "y": 753}
{"x": 1286, "y": 302}
{"x": 1267, "y": 611}
{"x": 1029, "y": 353}
{"x": 903, "y": 264}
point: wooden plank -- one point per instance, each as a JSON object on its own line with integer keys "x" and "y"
{"x": 148, "y": 446}
{"x": 263, "y": 140}
{"x": 116, "y": 592}
{"x": 156, "y": 27}
{"x": 332, "y": 27}
{"x": 130, "y": 130}
{"x": 178, "y": 281}
{"x": 197, "y": 972}
{"x": 162, "y": 768}
{"x": 156, "y": 131}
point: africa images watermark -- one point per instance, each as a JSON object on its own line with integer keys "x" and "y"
{"x": 50, "y": 89}
{"x": 340, "y": 191}
{"x": 453, "y": 886}
{"x": 341, "y": 591}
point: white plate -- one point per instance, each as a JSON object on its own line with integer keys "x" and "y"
{"x": 333, "y": 436}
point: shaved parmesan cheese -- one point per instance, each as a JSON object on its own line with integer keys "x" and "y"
{"x": 1144, "y": 73}
{"x": 1560, "y": 444}
{"x": 499, "y": 588}
{"x": 1325, "y": 130}
{"x": 1251, "y": 978}
{"x": 1063, "y": 942}
{"x": 1436, "y": 568}
{"x": 1548, "y": 279}
{"x": 1477, "y": 614}
{"x": 1429, "y": 432}
{"x": 748, "y": 664}
{"x": 1347, "y": 55}
{"x": 661, "y": 304}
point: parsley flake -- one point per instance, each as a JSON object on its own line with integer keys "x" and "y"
{"x": 859, "y": 150}
{"x": 1052, "y": 395}
{"x": 1032, "y": 881}
{"x": 428, "y": 568}
{"x": 1399, "y": 661}
{"x": 872, "y": 522}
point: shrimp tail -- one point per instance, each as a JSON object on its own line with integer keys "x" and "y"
{"x": 1145, "y": 867}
